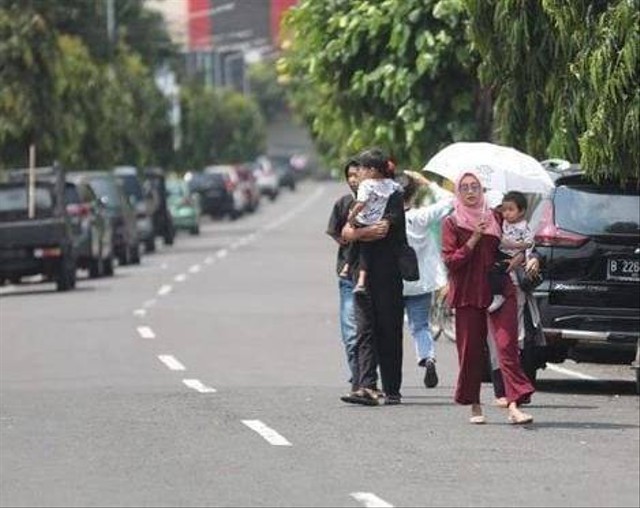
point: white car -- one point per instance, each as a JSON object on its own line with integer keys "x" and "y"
{"x": 266, "y": 177}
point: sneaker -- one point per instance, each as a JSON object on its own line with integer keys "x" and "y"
{"x": 393, "y": 400}
{"x": 359, "y": 290}
{"x": 496, "y": 303}
{"x": 430, "y": 374}
{"x": 363, "y": 396}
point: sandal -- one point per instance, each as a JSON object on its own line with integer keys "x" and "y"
{"x": 501, "y": 402}
{"x": 478, "y": 420}
{"x": 520, "y": 419}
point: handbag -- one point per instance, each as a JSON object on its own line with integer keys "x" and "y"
{"x": 408, "y": 263}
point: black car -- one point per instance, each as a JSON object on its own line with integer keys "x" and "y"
{"x": 287, "y": 175}
{"x": 215, "y": 193}
{"x": 126, "y": 242}
{"x": 91, "y": 228}
{"x": 589, "y": 237}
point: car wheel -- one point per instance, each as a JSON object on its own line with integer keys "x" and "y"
{"x": 195, "y": 230}
{"x": 66, "y": 276}
{"x": 96, "y": 268}
{"x": 169, "y": 237}
{"x": 108, "y": 266}
{"x": 150, "y": 244}
{"x": 134, "y": 254}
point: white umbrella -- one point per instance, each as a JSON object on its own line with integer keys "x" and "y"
{"x": 500, "y": 168}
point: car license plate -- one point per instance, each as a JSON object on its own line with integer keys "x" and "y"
{"x": 623, "y": 269}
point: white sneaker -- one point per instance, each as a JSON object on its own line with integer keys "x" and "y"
{"x": 496, "y": 303}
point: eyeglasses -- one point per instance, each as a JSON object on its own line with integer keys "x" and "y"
{"x": 474, "y": 187}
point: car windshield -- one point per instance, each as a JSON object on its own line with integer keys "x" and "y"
{"x": 591, "y": 210}
{"x": 131, "y": 186}
{"x": 106, "y": 188}
{"x": 175, "y": 188}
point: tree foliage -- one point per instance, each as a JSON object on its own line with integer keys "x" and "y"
{"x": 269, "y": 94}
{"x": 219, "y": 126}
{"x": 394, "y": 73}
{"x": 565, "y": 79}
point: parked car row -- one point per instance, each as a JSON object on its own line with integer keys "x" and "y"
{"x": 53, "y": 222}
{"x": 231, "y": 190}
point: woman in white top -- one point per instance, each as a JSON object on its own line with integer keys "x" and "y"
{"x": 423, "y": 234}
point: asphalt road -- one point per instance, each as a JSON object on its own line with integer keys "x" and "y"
{"x": 211, "y": 376}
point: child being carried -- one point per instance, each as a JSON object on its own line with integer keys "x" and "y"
{"x": 516, "y": 238}
{"x": 374, "y": 190}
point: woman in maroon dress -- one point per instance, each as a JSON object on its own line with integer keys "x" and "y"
{"x": 470, "y": 238}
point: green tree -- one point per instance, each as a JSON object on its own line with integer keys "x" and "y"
{"x": 396, "y": 73}
{"x": 219, "y": 126}
{"x": 269, "y": 94}
{"x": 565, "y": 79}
{"x": 28, "y": 52}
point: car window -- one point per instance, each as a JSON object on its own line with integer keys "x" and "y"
{"x": 132, "y": 186}
{"x": 13, "y": 199}
{"x": 71, "y": 194}
{"x": 592, "y": 210}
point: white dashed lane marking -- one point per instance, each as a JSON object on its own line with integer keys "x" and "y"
{"x": 270, "y": 435}
{"x": 197, "y": 385}
{"x": 146, "y": 333}
{"x": 165, "y": 290}
{"x": 370, "y": 500}
{"x": 180, "y": 277}
{"x": 171, "y": 362}
{"x": 194, "y": 269}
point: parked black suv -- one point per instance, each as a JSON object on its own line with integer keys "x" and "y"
{"x": 589, "y": 237}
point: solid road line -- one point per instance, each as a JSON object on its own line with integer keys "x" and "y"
{"x": 569, "y": 372}
{"x": 370, "y": 500}
{"x": 267, "y": 433}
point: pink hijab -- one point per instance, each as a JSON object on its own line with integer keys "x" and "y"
{"x": 468, "y": 216}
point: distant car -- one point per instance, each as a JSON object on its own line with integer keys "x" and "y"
{"x": 155, "y": 181}
{"x": 266, "y": 177}
{"x": 126, "y": 242}
{"x": 215, "y": 199}
{"x": 287, "y": 175}
{"x": 249, "y": 183}
{"x": 184, "y": 206}
{"x": 91, "y": 228}
{"x": 131, "y": 180}
{"x": 589, "y": 238}
{"x": 235, "y": 187}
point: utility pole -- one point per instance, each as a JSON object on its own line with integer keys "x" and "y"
{"x": 111, "y": 25}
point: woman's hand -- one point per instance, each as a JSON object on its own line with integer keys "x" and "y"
{"x": 532, "y": 267}
{"x": 371, "y": 233}
{"x": 477, "y": 233}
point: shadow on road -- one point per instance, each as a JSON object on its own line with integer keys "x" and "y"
{"x": 579, "y": 425}
{"x": 587, "y": 386}
{"x": 41, "y": 291}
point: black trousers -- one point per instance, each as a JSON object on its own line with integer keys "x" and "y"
{"x": 379, "y": 318}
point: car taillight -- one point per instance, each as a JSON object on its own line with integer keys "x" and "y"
{"x": 229, "y": 185}
{"x": 78, "y": 209}
{"x": 550, "y": 235}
